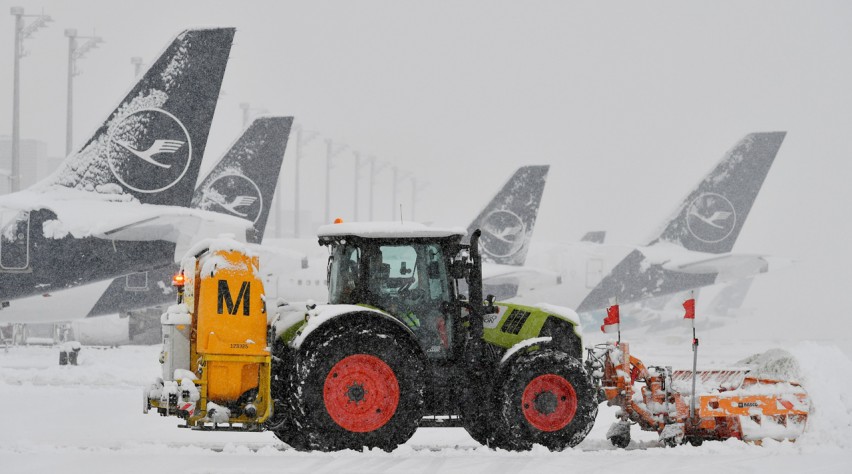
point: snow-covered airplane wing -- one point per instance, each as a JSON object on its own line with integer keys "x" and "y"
{"x": 726, "y": 265}
{"x": 729, "y": 266}
{"x": 182, "y": 226}
{"x": 493, "y": 274}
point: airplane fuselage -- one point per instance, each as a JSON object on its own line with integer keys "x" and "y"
{"x": 32, "y": 263}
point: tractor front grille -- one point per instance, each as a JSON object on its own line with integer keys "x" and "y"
{"x": 515, "y": 321}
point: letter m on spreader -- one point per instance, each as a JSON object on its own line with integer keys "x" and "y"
{"x": 225, "y": 300}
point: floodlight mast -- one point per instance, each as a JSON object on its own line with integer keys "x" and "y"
{"x": 331, "y": 152}
{"x": 75, "y": 51}
{"x": 374, "y": 170}
{"x": 416, "y": 185}
{"x": 22, "y": 32}
{"x": 303, "y": 137}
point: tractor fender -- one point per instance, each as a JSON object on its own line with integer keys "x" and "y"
{"x": 325, "y": 316}
{"x": 561, "y": 312}
{"x": 507, "y": 361}
{"x": 514, "y": 350}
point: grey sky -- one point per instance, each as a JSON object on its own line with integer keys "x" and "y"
{"x": 630, "y": 102}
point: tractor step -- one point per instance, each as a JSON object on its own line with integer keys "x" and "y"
{"x": 441, "y": 421}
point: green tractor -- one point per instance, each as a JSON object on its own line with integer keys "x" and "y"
{"x": 400, "y": 346}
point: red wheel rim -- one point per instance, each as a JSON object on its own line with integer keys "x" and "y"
{"x": 549, "y": 402}
{"x": 361, "y": 393}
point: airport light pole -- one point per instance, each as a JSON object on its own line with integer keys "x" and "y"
{"x": 355, "y": 193}
{"x": 330, "y": 153}
{"x": 302, "y": 138}
{"x": 397, "y": 177}
{"x": 22, "y": 32}
{"x": 374, "y": 170}
{"x": 136, "y": 61}
{"x": 75, "y": 51}
{"x": 416, "y": 186}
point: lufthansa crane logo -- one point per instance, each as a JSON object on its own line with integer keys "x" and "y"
{"x": 711, "y": 218}
{"x": 149, "y": 150}
{"x": 503, "y": 234}
{"x": 235, "y": 194}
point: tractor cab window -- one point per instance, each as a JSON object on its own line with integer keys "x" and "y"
{"x": 410, "y": 282}
{"x": 343, "y": 285}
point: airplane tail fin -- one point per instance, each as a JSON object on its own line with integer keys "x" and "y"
{"x": 150, "y": 147}
{"x": 243, "y": 183}
{"x": 594, "y": 236}
{"x": 710, "y": 218}
{"x": 507, "y": 221}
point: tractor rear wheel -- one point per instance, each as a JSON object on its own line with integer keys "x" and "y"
{"x": 357, "y": 385}
{"x": 545, "y": 397}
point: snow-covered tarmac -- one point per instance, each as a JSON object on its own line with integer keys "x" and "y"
{"x": 88, "y": 419}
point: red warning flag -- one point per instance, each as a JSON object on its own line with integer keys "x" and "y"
{"x": 612, "y": 320}
{"x": 689, "y": 306}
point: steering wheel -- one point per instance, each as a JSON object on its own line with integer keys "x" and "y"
{"x": 406, "y": 293}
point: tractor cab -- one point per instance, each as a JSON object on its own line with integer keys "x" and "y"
{"x": 409, "y": 276}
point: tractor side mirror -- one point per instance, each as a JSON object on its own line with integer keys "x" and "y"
{"x": 403, "y": 269}
{"x": 459, "y": 269}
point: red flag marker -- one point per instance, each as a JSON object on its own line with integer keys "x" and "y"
{"x": 612, "y": 320}
{"x": 689, "y": 306}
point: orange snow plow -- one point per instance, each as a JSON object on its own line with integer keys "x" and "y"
{"x": 729, "y": 403}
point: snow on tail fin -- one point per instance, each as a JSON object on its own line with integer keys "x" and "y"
{"x": 150, "y": 147}
{"x": 711, "y": 216}
{"x": 594, "y": 236}
{"x": 708, "y": 220}
{"x": 243, "y": 183}
{"x": 507, "y": 221}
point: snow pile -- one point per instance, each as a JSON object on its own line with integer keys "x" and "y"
{"x": 827, "y": 376}
{"x": 222, "y": 243}
{"x": 775, "y": 364}
{"x": 176, "y": 314}
{"x": 377, "y": 230}
{"x": 217, "y": 413}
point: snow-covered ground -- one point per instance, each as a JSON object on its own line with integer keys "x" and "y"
{"x": 88, "y": 419}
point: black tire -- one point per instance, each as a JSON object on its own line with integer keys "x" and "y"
{"x": 620, "y": 441}
{"x": 478, "y": 424}
{"x": 281, "y": 422}
{"x": 328, "y": 386}
{"x": 535, "y": 399}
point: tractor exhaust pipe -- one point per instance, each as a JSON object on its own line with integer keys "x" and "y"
{"x": 478, "y": 310}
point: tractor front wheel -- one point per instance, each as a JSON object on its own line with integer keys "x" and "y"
{"x": 357, "y": 387}
{"x": 545, "y": 398}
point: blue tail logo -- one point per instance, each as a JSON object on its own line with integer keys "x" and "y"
{"x": 235, "y": 194}
{"x": 154, "y": 167}
{"x": 711, "y": 218}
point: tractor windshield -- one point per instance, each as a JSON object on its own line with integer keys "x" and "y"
{"x": 408, "y": 280}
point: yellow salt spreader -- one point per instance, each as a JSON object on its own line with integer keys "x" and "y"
{"x": 215, "y": 359}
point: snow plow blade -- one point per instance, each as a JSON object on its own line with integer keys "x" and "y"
{"x": 764, "y": 408}
{"x": 730, "y": 404}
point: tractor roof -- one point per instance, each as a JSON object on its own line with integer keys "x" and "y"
{"x": 388, "y": 230}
